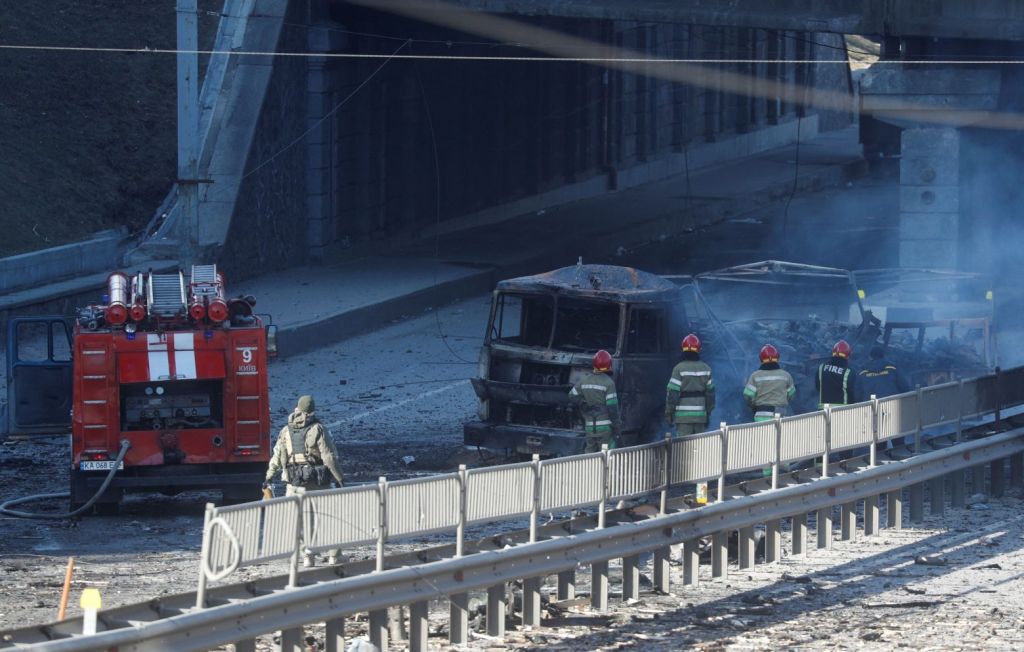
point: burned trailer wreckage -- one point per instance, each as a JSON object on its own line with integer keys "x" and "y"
{"x": 542, "y": 334}
{"x": 544, "y": 330}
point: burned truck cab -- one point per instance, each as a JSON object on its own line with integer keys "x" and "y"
{"x": 541, "y": 337}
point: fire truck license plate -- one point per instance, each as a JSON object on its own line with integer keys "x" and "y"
{"x": 98, "y": 465}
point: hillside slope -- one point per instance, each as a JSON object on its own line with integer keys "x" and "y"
{"x": 87, "y": 140}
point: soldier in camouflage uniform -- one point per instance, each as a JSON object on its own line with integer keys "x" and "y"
{"x": 598, "y": 404}
{"x": 306, "y": 457}
{"x": 690, "y": 396}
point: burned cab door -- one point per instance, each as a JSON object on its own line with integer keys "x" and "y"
{"x": 38, "y": 375}
{"x": 645, "y": 366}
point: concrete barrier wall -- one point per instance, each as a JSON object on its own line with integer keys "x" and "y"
{"x": 102, "y": 252}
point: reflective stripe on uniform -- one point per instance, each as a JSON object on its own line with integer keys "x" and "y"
{"x": 758, "y": 379}
{"x": 758, "y": 419}
{"x": 675, "y": 381}
{"x": 600, "y": 387}
{"x": 573, "y": 392}
{"x": 690, "y": 407}
{"x": 750, "y": 390}
{"x": 602, "y": 422}
{"x": 764, "y": 414}
{"x": 694, "y": 373}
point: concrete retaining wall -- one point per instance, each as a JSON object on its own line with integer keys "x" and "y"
{"x": 102, "y": 252}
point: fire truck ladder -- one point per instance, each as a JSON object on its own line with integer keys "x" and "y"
{"x": 166, "y": 295}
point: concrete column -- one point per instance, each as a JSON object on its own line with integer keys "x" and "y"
{"x": 320, "y": 219}
{"x": 929, "y": 197}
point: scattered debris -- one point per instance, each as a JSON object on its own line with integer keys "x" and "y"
{"x": 930, "y": 560}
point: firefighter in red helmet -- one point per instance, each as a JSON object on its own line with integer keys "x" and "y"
{"x": 770, "y": 388}
{"x": 835, "y": 379}
{"x": 690, "y": 395}
{"x": 598, "y": 403}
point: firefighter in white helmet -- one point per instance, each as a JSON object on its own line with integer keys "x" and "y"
{"x": 306, "y": 457}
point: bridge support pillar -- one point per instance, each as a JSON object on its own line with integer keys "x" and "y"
{"x": 937, "y": 491}
{"x": 747, "y": 547}
{"x": 567, "y": 584}
{"x": 599, "y": 585}
{"x": 956, "y": 488}
{"x": 691, "y": 562}
{"x": 418, "y": 626}
{"x": 720, "y": 554}
{"x": 894, "y": 509}
{"x": 531, "y": 601}
{"x": 800, "y": 533}
{"x": 334, "y": 636}
{"x": 497, "y": 601}
{"x": 824, "y": 527}
{"x": 458, "y": 626}
{"x": 772, "y": 541}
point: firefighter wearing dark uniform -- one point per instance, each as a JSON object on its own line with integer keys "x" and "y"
{"x": 306, "y": 457}
{"x": 879, "y": 377}
{"x": 835, "y": 380}
{"x": 770, "y": 388}
{"x": 598, "y": 403}
{"x": 690, "y": 396}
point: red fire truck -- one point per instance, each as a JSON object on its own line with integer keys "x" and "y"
{"x": 170, "y": 367}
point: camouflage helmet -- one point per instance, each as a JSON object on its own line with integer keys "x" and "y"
{"x": 306, "y": 404}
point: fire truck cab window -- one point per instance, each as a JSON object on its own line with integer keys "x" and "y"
{"x": 181, "y": 405}
{"x": 32, "y": 342}
{"x": 645, "y": 334}
{"x": 583, "y": 325}
{"x": 523, "y": 319}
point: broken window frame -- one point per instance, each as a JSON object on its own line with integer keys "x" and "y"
{"x": 659, "y": 337}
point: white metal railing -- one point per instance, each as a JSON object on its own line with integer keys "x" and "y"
{"x": 321, "y": 520}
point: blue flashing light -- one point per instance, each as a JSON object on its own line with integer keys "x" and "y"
{"x": 130, "y": 335}
{"x": 208, "y": 335}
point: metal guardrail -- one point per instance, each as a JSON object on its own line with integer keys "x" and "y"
{"x": 448, "y": 503}
{"x": 245, "y": 534}
{"x": 330, "y": 602}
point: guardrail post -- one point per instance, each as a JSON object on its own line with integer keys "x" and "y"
{"x": 379, "y": 620}
{"x": 918, "y": 434}
{"x": 249, "y": 645}
{"x": 334, "y": 637}
{"x": 1017, "y": 470}
{"x": 203, "y": 558}
{"x": 599, "y": 569}
{"x": 496, "y": 604}
{"x": 799, "y": 528}
{"x": 875, "y": 429}
{"x": 531, "y": 585}
{"x": 956, "y": 478}
{"x": 894, "y": 509}
{"x": 824, "y": 528}
{"x": 998, "y": 477}
{"x": 567, "y": 584}
{"x": 999, "y": 397}
{"x": 848, "y": 527}
{"x": 746, "y": 545}
{"x": 777, "y": 465}
{"x": 418, "y": 630}
{"x": 937, "y": 493}
{"x": 916, "y": 502}
{"x": 828, "y": 446}
{"x": 631, "y": 577}
{"x": 724, "y": 442}
{"x": 662, "y": 555}
{"x": 292, "y": 640}
{"x": 978, "y": 478}
{"x": 691, "y": 562}
{"x": 458, "y": 603}
{"x": 871, "y": 518}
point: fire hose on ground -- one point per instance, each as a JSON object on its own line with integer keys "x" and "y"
{"x": 5, "y": 507}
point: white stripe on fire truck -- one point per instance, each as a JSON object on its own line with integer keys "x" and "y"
{"x": 159, "y": 363}
{"x": 184, "y": 356}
